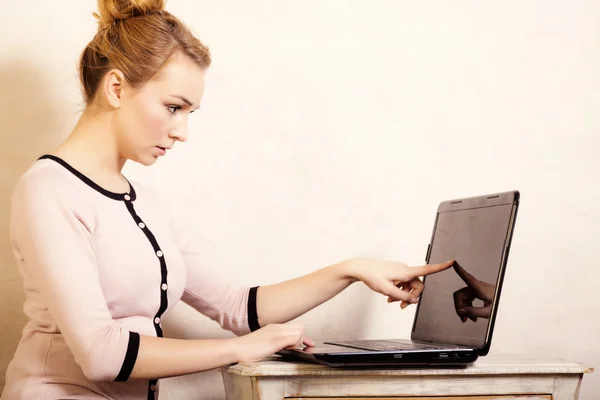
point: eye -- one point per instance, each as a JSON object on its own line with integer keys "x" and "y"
{"x": 173, "y": 109}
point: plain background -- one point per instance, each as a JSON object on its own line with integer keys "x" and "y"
{"x": 332, "y": 129}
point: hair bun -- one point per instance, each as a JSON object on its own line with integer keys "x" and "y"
{"x": 116, "y": 10}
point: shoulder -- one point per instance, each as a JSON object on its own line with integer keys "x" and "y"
{"x": 45, "y": 199}
{"x": 44, "y": 177}
{"x": 46, "y": 185}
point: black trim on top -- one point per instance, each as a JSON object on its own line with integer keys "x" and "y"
{"x": 130, "y": 357}
{"x": 152, "y": 393}
{"x": 91, "y": 183}
{"x": 163, "y": 266}
{"x": 252, "y": 313}
{"x": 164, "y": 301}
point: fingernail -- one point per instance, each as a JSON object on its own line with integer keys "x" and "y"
{"x": 414, "y": 300}
{"x": 461, "y": 311}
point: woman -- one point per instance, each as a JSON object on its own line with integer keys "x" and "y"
{"x": 101, "y": 261}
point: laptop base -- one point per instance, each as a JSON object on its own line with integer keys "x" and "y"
{"x": 337, "y": 356}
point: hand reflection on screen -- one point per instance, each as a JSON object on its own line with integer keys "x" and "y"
{"x": 475, "y": 289}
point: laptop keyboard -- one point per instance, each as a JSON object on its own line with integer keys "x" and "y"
{"x": 384, "y": 345}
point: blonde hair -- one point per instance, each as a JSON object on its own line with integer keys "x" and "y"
{"x": 137, "y": 37}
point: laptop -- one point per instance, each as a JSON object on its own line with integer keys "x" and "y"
{"x": 455, "y": 316}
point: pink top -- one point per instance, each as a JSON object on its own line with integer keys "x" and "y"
{"x": 99, "y": 269}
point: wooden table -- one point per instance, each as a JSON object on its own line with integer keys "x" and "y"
{"x": 490, "y": 378}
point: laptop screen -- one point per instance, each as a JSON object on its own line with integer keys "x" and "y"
{"x": 456, "y": 305}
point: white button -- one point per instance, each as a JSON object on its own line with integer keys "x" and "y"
{"x": 159, "y": 253}
{"x": 153, "y": 388}
{"x": 157, "y": 320}
{"x": 127, "y": 197}
{"x": 164, "y": 286}
{"x": 142, "y": 225}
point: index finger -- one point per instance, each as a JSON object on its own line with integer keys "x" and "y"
{"x": 474, "y": 283}
{"x": 469, "y": 279}
{"x": 430, "y": 269}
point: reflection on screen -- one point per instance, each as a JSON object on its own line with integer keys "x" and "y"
{"x": 456, "y": 304}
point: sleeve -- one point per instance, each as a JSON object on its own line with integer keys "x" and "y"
{"x": 56, "y": 251}
{"x": 223, "y": 300}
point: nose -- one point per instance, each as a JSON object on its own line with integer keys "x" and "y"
{"x": 179, "y": 132}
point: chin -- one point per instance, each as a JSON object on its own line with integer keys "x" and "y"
{"x": 145, "y": 160}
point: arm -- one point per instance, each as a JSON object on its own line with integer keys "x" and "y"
{"x": 164, "y": 357}
{"x": 287, "y": 300}
{"x": 161, "y": 357}
{"x": 55, "y": 250}
{"x": 242, "y": 310}
{"x": 207, "y": 290}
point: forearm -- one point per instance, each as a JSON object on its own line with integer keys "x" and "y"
{"x": 162, "y": 357}
{"x": 287, "y": 300}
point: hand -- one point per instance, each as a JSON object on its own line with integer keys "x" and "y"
{"x": 396, "y": 280}
{"x": 475, "y": 289}
{"x": 269, "y": 340}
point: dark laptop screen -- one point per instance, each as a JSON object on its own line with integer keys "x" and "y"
{"x": 475, "y": 238}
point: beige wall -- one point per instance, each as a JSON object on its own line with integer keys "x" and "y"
{"x": 332, "y": 129}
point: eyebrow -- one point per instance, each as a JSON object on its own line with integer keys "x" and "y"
{"x": 189, "y": 103}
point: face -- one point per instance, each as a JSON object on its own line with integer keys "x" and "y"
{"x": 150, "y": 119}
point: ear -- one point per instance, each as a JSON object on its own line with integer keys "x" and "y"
{"x": 113, "y": 84}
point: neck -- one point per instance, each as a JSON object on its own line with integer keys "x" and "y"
{"x": 93, "y": 148}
